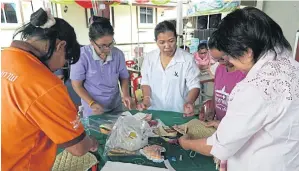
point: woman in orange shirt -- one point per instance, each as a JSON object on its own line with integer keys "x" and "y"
{"x": 37, "y": 113}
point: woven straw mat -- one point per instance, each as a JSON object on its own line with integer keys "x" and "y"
{"x": 65, "y": 161}
{"x": 196, "y": 129}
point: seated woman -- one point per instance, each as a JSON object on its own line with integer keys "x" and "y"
{"x": 201, "y": 57}
{"x": 170, "y": 77}
{"x": 260, "y": 129}
{"x": 95, "y": 76}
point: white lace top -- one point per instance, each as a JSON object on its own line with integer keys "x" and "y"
{"x": 260, "y": 131}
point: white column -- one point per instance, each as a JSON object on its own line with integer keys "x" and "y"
{"x": 179, "y": 21}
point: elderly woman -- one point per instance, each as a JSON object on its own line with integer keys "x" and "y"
{"x": 261, "y": 128}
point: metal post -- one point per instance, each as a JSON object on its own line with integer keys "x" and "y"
{"x": 179, "y": 21}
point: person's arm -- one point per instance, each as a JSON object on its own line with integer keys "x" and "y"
{"x": 78, "y": 76}
{"x": 124, "y": 76}
{"x": 193, "y": 82}
{"x": 146, "y": 89}
{"x": 124, "y": 84}
{"x": 81, "y": 91}
{"x": 199, "y": 145}
{"x": 193, "y": 95}
{"x": 55, "y": 114}
{"x": 78, "y": 73}
{"x": 251, "y": 117}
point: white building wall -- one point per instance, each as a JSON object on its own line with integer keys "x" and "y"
{"x": 286, "y": 14}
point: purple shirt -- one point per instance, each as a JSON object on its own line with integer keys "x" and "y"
{"x": 101, "y": 78}
{"x": 224, "y": 83}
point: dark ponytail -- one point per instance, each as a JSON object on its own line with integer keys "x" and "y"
{"x": 99, "y": 27}
{"x": 60, "y": 30}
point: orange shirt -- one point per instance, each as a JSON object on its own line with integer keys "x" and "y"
{"x": 37, "y": 114}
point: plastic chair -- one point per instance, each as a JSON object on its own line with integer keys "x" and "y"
{"x": 136, "y": 89}
{"x": 130, "y": 63}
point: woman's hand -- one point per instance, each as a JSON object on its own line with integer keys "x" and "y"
{"x": 94, "y": 146}
{"x": 97, "y": 109}
{"x": 188, "y": 109}
{"x": 127, "y": 102}
{"x": 146, "y": 103}
{"x": 214, "y": 124}
{"x": 183, "y": 141}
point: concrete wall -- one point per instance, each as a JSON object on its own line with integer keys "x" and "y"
{"x": 286, "y": 14}
{"x": 75, "y": 15}
{"x": 126, "y": 27}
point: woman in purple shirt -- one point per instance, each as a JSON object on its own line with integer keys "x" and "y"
{"x": 95, "y": 76}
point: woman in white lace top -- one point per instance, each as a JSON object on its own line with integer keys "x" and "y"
{"x": 260, "y": 131}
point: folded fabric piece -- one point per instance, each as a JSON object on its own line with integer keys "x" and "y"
{"x": 153, "y": 153}
{"x": 121, "y": 152}
{"x": 195, "y": 129}
{"x": 66, "y": 161}
{"x": 165, "y": 131}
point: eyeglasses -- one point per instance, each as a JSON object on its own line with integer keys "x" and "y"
{"x": 103, "y": 47}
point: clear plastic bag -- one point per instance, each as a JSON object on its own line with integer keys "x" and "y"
{"x": 128, "y": 134}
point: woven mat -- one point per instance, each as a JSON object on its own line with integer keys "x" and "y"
{"x": 65, "y": 161}
{"x": 196, "y": 129}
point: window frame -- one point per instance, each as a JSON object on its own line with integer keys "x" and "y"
{"x": 146, "y": 25}
{"x": 18, "y": 14}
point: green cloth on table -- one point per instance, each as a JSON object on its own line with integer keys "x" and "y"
{"x": 198, "y": 163}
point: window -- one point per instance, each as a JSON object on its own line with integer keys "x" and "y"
{"x": 8, "y": 13}
{"x": 146, "y": 17}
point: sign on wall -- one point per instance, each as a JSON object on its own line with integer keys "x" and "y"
{"x": 207, "y": 7}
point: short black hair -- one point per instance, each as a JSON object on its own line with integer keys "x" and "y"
{"x": 99, "y": 27}
{"x": 60, "y": 30}
{"x": 163, "y": 27}
{"x": 202, "y": 46}
{"x": 248, "y": 28}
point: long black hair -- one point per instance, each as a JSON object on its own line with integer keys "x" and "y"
{"x": 60, "y": 30}
{"x": 248, "y": 28}
{"x": 99, "y": 27}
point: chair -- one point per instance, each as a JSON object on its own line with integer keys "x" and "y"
{"x": 136, "y": 89}
{"x": 130, "y": 63}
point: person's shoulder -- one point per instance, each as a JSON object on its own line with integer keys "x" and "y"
{"x": 220, "y": 68}
{"x": 152, "y": 55}
{"x": 117, "y": 52}
{"x": 276, "y": 79}
{"x": 86, "y": 51}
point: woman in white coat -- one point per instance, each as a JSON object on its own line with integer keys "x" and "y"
{"x": 170, "y": 77}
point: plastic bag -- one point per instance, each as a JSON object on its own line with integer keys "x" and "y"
{"x": 128, "y": 133}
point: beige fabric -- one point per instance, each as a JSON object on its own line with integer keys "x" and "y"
{"x": 65, "y": 161}
{"x": 195, "y": 129}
